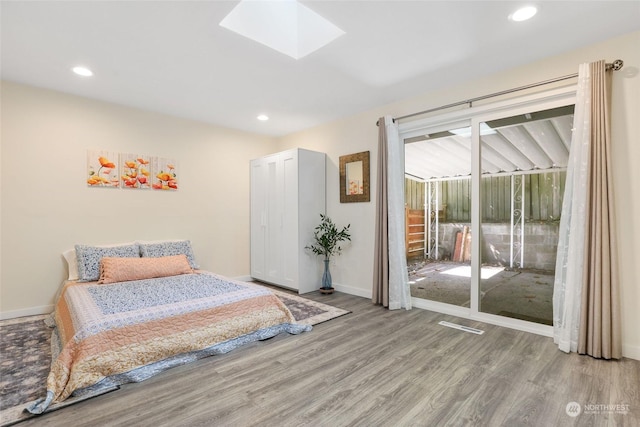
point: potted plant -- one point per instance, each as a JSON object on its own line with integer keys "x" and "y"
{"x": 327, "y": 240}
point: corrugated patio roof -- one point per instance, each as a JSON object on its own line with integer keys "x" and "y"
{"x": 538, "y": 141}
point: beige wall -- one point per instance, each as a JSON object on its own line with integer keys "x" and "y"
{"x": 352, "y": 271}
{"x": 47, "y": 207}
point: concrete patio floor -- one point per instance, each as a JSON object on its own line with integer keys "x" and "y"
{"x": 520, "y": 294}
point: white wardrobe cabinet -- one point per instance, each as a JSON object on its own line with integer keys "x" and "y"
{"x": 287, "y": 198}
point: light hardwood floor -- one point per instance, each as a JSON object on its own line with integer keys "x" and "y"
{"x": 375, "y": 367}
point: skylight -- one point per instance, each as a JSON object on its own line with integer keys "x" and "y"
{"x": 286, "y": 26}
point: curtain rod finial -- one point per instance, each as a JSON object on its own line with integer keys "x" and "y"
{"x": 618, "y": 64}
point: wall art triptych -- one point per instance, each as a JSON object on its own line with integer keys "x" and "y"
{"x": 108, "y": 169}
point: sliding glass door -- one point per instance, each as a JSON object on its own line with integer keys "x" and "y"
{"x": 524, "y": 159}
{"x": 438, "y": 214}
{"x": 484, "y": 190}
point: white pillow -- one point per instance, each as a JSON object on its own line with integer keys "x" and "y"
{"x": 72, "y": 263}
{"x": 72, "y": 259}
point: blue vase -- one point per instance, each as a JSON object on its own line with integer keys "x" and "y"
{"x": 326, "y": 276}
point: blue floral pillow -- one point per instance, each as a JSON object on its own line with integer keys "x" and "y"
{"x": 169, "y": 248}
{"x": 89, "y": 258}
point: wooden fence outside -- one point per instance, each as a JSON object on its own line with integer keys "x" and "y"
{"x": 542, "y": 196}
{"x": 415, "y": 232}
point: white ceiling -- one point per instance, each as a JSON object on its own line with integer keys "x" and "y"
{"x": 173, "y": 57}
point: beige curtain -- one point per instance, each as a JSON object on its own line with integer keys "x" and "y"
{"x": 380, "y": 293}
{"x": 599, "y": 332}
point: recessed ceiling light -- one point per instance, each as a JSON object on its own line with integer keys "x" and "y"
{"x": 523, "y": 14}
{"x": 82, "y": 71}
{"x": 263, "y": 117}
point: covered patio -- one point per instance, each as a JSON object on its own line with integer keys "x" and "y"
{"x": 523, "y": 170}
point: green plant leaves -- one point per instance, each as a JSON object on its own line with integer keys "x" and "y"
{"x": 327, "y": 238}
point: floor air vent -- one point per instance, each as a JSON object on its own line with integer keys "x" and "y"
{"x": 461, "y": 327}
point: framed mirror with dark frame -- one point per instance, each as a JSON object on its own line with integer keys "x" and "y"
{"x": 354, "y": 178}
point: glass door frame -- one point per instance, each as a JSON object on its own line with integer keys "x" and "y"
{"x": 475, "y": 115}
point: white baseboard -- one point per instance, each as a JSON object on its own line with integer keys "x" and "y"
{"x": 33, "y": 311}
{"x": 364, "y": 293}
{"x": 631, "y": 351}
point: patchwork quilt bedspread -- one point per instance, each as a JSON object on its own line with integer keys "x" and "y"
{"x": 104, "y": 330}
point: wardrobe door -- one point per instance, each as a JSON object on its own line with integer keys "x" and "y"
{"x": 274, "y": 184}
{"x": 258, "y": 219}
{"x": 289, "y": 224}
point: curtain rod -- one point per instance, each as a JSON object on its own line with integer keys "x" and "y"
{"x": 616, "y": 65}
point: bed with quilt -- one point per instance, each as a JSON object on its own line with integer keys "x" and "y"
{"x": 137, "y": 309}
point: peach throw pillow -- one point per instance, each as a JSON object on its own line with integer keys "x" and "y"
{"x": 114, "y": 270}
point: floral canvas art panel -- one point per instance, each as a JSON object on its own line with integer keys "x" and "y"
{"x": 102, "y": 169}
{"x": 135, "y": 171}
{"x": 165, "y": 174}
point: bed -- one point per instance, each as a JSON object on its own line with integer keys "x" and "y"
{"x": 133, "y": 312}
